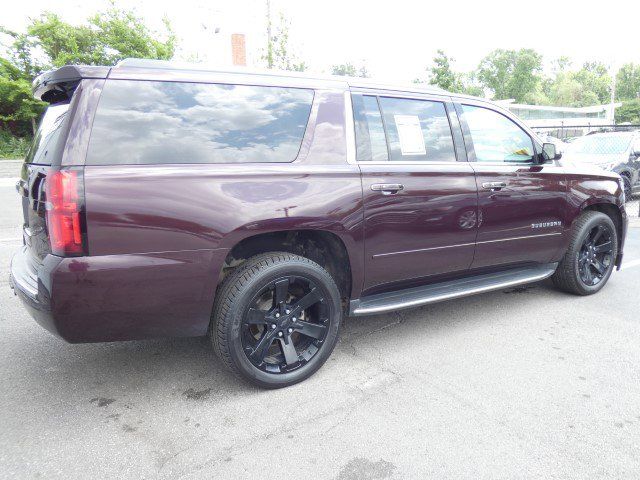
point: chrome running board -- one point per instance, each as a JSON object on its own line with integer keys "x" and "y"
{"x": 438, "y": 292}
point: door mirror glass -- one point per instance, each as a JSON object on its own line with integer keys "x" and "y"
{"x": 549, "y": 152}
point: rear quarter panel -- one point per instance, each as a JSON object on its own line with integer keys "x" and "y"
{"x": 159, "y": 234}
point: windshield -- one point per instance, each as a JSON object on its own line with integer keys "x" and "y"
{"x": 600, "y": 145}
{"x": 47, "y": 137}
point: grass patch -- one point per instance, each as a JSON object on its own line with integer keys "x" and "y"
{"x": 13, "y": 147}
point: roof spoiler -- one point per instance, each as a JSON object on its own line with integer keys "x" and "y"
{"x": 58, "y": 85}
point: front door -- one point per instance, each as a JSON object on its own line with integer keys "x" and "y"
{"x": 522, "y": 204}
{"x": 420, "y": 203}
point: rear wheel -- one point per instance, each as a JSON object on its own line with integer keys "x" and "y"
{"x": 589, "y": 260}
{"x": 276, "y": 319}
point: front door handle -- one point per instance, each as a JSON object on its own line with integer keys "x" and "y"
{"x": 494, "y": 186}
{"x": 387, "y": 188}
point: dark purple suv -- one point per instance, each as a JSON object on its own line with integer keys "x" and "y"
{"x": 260, "y": 208}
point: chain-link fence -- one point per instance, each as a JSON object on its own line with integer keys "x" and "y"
{"x": 567, "y": 133}
{"x": 579, "y": 144}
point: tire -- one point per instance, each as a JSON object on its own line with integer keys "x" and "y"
{"x": 247, "y": 316}
{"x": 572, "y": 270}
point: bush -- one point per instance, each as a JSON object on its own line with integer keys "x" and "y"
{"x": 13, "y": 147}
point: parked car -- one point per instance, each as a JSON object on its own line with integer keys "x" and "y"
{"x": 260, "y": 209}
{"x": 617, "y": 152}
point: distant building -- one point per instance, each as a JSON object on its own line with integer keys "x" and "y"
{"x": 580, "y": 119}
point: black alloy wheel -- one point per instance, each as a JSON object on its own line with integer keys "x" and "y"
{"x": 285, "y": 325}
{"x": 276, "y": 319}
{"x": 595, "y": 257}
{"x": 590, "y": 257}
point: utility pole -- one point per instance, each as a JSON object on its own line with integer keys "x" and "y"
{"x": 269, "y": 41}
{"x": 612, "y": 107}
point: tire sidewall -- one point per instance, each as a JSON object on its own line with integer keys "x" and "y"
{"x": 598, "y": 219}
{"x": 235, "y": 317}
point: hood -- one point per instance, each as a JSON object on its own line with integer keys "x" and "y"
{"x": 591, "y": 158}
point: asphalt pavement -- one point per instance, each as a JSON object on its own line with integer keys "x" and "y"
{"x": 524, "y": 383}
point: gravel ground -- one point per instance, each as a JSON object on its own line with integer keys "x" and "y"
{"x": 523, "y": 383}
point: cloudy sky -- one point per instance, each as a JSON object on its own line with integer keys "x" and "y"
{"x": 396, "y": 40}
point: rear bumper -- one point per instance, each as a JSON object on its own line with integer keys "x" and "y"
{"x": 32, "y": 285}
{"x": 119, "y": 297}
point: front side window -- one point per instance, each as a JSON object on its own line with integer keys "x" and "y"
{"x": 417, "y": 130}
{"x": 496, "y": 138}
{"x": 170, "y": 122}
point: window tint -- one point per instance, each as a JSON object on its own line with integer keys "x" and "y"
{"x": 47, "y": 140}
{"x": 417, "y": 130}
{"x": 371, "y": 144}
{"x": 496, "y": 138}
{"x": 169, "y": 122}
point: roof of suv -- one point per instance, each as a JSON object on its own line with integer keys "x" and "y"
{"x": 133, "y": 63}
{"x": 138, "y": 69}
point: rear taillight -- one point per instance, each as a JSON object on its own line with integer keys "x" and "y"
{"x": 65, "y": 212}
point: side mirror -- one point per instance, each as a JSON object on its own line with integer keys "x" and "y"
{"x": 549, "y": 152}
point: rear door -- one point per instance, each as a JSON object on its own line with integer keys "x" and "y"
{"x": 420, "y": 202}
{"x": 522, "y": 204}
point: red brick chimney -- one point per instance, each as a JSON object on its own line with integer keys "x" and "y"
{"x": 238, "y": 49}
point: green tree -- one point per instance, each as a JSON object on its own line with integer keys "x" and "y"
{"x": 441, "y": 74}
{"x": 629, "y": 112}
{"x": 628, "y": 82}
{"x": 349, "y": 70}
{"x": 107, "y": 38}
{"x": 594, "y": 77}
{"x": 511, "y": 73}
{"x": 278, "y": 53}
{"x": 18, "y": 108}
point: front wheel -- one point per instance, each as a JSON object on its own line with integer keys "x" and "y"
{"x": 590, "y": 258}
{"x": 276, "y": 319}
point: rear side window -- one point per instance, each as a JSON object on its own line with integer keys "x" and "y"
{"x": 170, "y": 122}
{"x": 417, "y": 130}
{"x": 371, "y": 144}
{"x": 496, "y": 138}
{"x": 48, "y": 141}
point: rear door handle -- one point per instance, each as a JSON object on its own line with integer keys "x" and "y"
{"x": 494, "y": 186}
{"x": 387, "y": 188}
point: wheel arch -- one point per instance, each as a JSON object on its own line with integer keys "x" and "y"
{"x": 613, "y": 212}
{"x": 325, "y": 248}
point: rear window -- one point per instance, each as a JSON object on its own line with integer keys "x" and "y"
{"x": 170, "y": 122}
{"x": 48, "y": 140}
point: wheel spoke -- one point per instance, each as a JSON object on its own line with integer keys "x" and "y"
{"x": 289, "y": 351}
{"x": 605, "y": 247}
{"x": 309, "y": 299}
{"x": 597, "y": 235}
{"x": 312, "y": 330}
{"x": 281, "y": 290}
{"x": 600, "y": 268}
{"x": 256, "y": 317}
{"x": 588, "y": 276}
{"x": 261, "y": 349}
